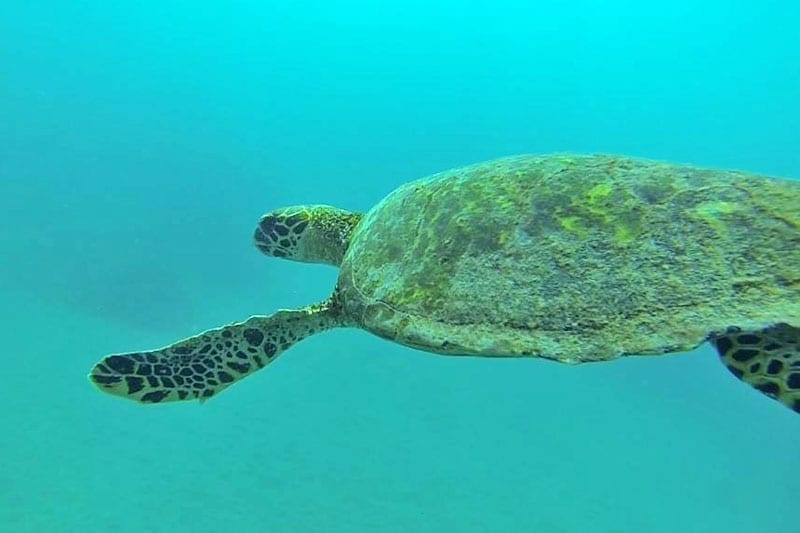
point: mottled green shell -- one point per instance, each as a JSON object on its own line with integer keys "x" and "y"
{"x": 575, "y": 258}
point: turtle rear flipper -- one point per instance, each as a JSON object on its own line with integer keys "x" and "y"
{"x": 201, "y": 366}
{"x": 768, "y": 359}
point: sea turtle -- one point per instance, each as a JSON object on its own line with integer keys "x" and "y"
{"x": 572, "y": 258}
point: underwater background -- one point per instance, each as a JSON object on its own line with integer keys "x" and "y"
{"x": 141, "y": 141}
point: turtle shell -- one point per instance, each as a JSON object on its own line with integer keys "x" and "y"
{"x": 575, "y": 258}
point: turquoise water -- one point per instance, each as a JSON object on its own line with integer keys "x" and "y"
{"x": 139, "y": 144}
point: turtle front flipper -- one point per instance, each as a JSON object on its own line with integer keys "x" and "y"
{"x": 768, "y": 359}
{"x": 201, "y": 366}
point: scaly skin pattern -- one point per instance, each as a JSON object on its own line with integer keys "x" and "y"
{"x": 575, "y": 258}
{"x": 306, "y": 233}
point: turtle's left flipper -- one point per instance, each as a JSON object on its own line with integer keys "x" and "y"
{"x": 201, "y": 366}
{"x": 768, "y": 359}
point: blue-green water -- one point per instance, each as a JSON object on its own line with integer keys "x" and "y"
{"x": 139, "y": 144}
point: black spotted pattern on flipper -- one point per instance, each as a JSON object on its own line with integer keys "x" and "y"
{"x": 201, "y": 366}
{"x": 767, "y": 359}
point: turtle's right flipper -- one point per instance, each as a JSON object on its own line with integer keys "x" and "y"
{"x": 767, "y": 359}
{"x": 201, "y": 366}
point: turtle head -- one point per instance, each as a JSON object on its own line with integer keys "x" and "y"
{"x": 306, "y": 233}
